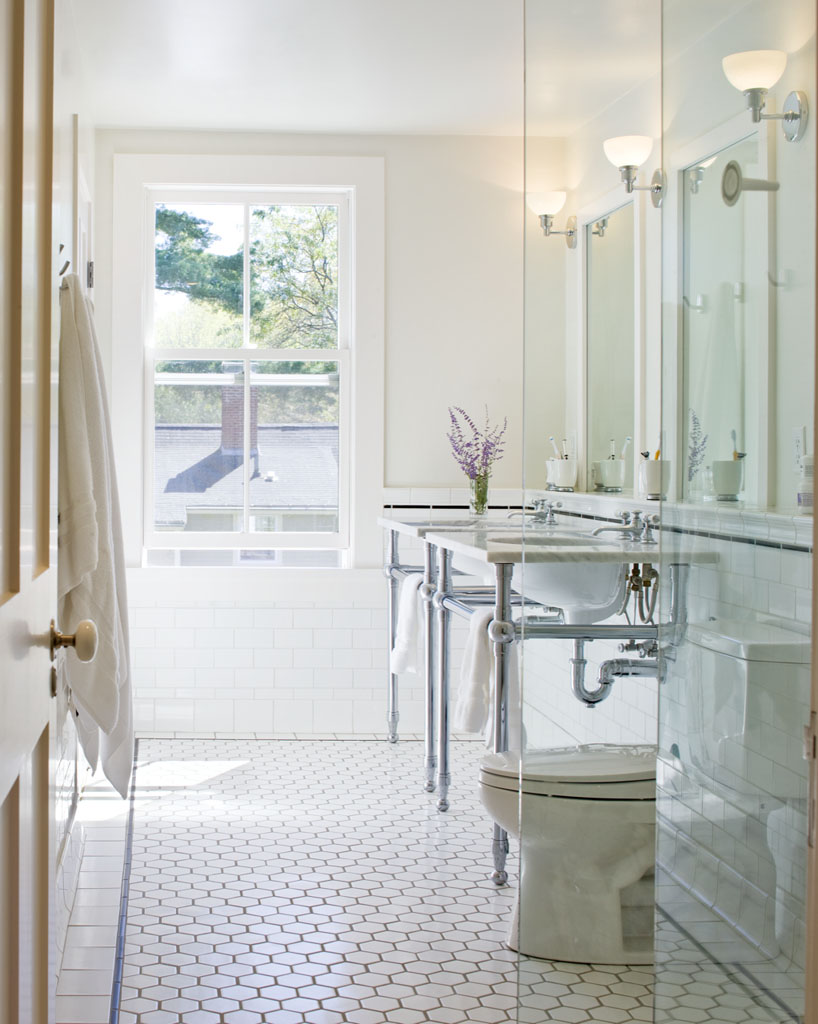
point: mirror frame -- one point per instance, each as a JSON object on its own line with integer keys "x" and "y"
{"x": 674, "y": 424}
{"x": 607, "y": 204}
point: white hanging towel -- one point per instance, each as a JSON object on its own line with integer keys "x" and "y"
{"x": 405, "y": 649}
{"x": 473, "y": 708}
{"x": 91, "y": 565}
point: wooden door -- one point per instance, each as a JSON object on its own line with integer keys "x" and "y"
{"x": 28, "y": 351}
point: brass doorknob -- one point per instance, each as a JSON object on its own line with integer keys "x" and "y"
{"x": 83, "y": 640}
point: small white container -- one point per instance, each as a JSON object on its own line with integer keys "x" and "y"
{"x": 609, "y": 475}
{"x": 654, "y": 478}
{"x": 727, "y": 476}
{"x": 806, "y": 485}
{"x": 561, "y": 474}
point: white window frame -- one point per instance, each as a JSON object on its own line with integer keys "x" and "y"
{"x": 342, "y": 355}
{"x": 138, "y": 180}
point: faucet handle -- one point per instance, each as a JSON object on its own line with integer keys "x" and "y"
{"x": 647, "y": 529}
{"x": 624, "y": 516}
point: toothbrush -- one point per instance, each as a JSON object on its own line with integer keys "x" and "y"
{"x": 554, "y": 446}
{"x": 735, "y": 446}
{"x": 625, "y": 446}
{"x": 645, "y": 455}
{"x": 613, "y": 449}
{"x": 658, "y": 453}
{"x": 564, "y": 448}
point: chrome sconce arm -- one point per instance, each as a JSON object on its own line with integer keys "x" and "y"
{"x": 547, "y": 225}
{"x": 657, "y": 187}
{"x": 754, "y": 72}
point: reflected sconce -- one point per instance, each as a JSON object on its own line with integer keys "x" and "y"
{"x": 600, "y": 227}
{"x": 627, "y": 153}
{"x": 547, "y": 205}
{"x": 753, "y": 72}
{"x": 696, "y": 174}
{"x": 733, "y": 183}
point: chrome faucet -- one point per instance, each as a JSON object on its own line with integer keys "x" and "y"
{"x": 542, "y": 512}
{"x": 633, "y": 527}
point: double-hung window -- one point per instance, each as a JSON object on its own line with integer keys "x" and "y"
{"x": 248, "y": 376}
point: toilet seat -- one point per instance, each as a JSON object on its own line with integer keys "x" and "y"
{"x": 593, "y": 771}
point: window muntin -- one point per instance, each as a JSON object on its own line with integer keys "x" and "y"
{"x": 247, "y": 447}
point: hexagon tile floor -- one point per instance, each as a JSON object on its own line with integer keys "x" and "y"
{"x": 313, "y": 882}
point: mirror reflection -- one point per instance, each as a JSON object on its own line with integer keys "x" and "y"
{"x": 725, "y": 330}
{"x": 610, "y": 340}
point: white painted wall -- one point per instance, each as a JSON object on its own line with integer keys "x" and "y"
{"x": 454, "y": 279}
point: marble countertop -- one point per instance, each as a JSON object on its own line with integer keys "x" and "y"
{"x": 420, "y": 526}
{"x": 558, "y": 544}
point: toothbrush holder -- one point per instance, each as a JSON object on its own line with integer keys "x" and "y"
{"x": 560, "y": 474}
{"x": 654, "y": 479}
{"x": 609, "y": 475}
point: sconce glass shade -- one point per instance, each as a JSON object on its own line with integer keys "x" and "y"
{"x": 546, "y": 202}
{"x": 754, "y": 69}
{"x": 628, "y": 150}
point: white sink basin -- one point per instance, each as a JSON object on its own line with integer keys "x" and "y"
{"x": 585, "y": 589}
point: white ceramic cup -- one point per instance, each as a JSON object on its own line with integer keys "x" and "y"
{"x": 610, "y": 474}
{"x": 727, "y": 474}
{"x": 561, "y": 473}
{"x": 654, "y": 478}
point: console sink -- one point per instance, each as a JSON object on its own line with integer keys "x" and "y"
{"x": 587, "y": 589}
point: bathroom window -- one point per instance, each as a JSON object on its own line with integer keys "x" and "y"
{"x": 247, "y": 376}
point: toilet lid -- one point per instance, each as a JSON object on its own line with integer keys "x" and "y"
{"x": 595, "y": 770}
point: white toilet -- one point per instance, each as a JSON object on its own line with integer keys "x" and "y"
{"x": 586, "y": 850}
{"x": 738, "y": 700}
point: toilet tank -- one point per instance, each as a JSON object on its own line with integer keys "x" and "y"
{"x": 747, "y": 695}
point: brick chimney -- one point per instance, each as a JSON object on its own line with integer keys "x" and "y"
{"x": 233, "y": 420}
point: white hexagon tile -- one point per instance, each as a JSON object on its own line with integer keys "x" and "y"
{"x": 314, "y": 882}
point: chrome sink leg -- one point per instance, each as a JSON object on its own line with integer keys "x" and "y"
{"x": 501, "y": 632}
{"x": 427, "y": 591}
{"x": 499, "y": 852}
{"x": 392, "y": 618}
{"x": 443, "y": 776}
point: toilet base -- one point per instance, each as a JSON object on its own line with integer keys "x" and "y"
{"x": 628, "y": 940}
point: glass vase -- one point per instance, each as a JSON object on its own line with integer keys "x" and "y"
{"x": 479, "y": 494}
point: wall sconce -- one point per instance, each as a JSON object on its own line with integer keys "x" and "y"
{"x": 600, "y": 227}
{"x": 547, "y": 205}
{"x": 627, "y": 153}
{"x": 753, "y": 72}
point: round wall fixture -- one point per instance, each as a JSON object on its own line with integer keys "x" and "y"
{"x": 733, "y": 183}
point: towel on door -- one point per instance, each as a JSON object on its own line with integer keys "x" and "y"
{"x": 475, "y": 696}
{"x": 90, "y": 564}
{"x": 405, "y": 649}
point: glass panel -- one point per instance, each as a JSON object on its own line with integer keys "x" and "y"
{"x": 198, "y": 445}
{"x": 610, "y": 320}
{"x": 738, "y": 350}
{"x": 199, "y": 287}
{"x": 294, "y": 276}
{"x": 294, "y": 446}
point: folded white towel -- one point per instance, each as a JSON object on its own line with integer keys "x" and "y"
{"x": 404, "y": 651}
{"x": 91, "y": 567}
{"x": 473, "y": 708}
{"x": 471, "y": 711}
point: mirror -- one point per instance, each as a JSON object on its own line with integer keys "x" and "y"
{"x": 610, "y": 327}
{"x": 726, "y": 332}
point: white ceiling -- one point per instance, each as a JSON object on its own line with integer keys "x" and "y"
{"x": 393, "y": 66}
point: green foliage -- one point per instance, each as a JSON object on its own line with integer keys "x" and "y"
{"x": 184, "y": 265}
{"x": 294, "y": 276}
{"x": 293, "y": 299}
{"x": 198, "y": 325}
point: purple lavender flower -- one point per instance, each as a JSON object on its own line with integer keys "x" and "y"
{"x": 697, "y": 444}
{"x": 475, "y": 454}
